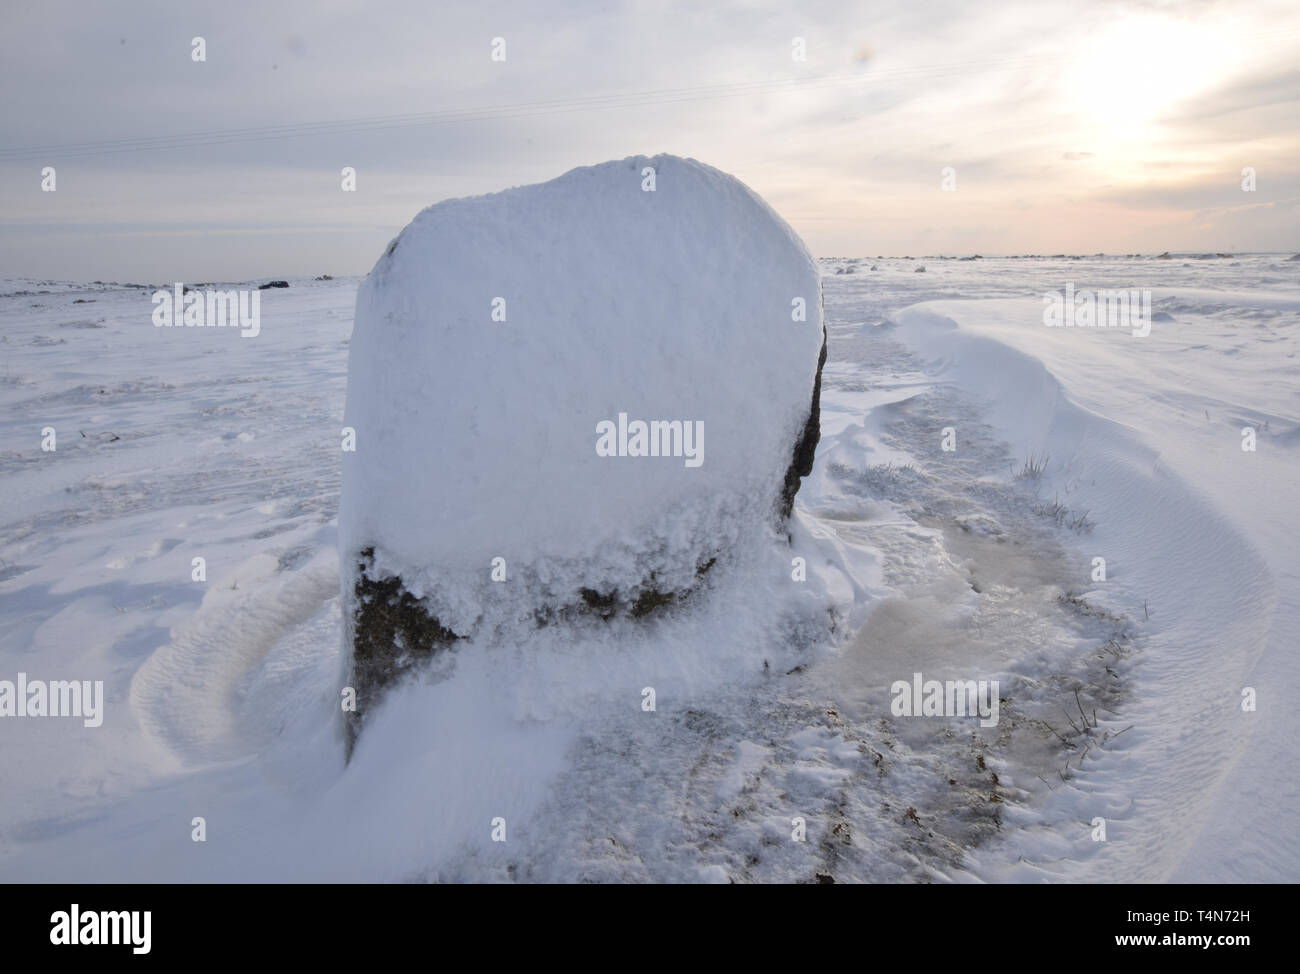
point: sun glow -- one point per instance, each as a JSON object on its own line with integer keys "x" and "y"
{"x": 1125, "y": 77}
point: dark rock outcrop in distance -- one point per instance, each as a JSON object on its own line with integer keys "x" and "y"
{"x": 270, "y": 284}
{"x": 325, "y": 277}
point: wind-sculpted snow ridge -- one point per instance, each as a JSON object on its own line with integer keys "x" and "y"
{"x": 1157, "y": 456}
{"x": 578, "y": 399}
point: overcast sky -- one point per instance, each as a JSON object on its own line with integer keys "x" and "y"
{"x": 1072, "y": 127}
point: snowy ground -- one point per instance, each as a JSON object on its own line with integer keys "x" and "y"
{"x": 222, "y": 695}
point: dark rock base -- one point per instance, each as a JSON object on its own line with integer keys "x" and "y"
{"x": 391, "y": 633}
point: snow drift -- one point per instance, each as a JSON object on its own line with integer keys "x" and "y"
{"x": 570, "y": 400}
{"x": 1128, "y": 443}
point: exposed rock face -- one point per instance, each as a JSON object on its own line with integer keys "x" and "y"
{"x": 570, "y": 402}
{"x": 805, "y": 448}
{"x": 391, "y": 629}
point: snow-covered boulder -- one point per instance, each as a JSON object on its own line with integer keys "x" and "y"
{"x": 570, "y": 400}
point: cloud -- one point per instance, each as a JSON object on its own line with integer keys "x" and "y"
{"x": 849, "y": 149}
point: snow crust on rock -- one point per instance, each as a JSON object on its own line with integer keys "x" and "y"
{"x": 476, "y": 438}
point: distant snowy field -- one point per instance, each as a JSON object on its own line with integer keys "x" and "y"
{"x": 222, "y": 696}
